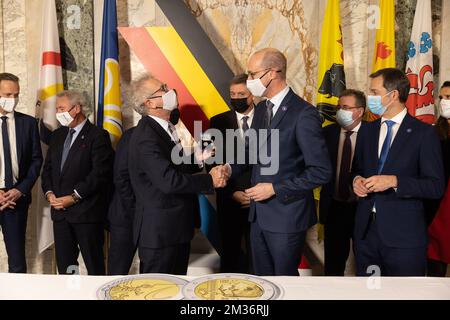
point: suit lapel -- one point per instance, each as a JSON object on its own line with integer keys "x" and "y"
{"x": 402, "y": 136}
{"x": 335, "y": 145}
{"x": 281, "y": 112}
{"x": 160, "y": 131}
{"x": 76, "y": 145}
{"x": 374, "y": 145}
{"x": 19, "y": 124}
{"x": 232, "y": 121}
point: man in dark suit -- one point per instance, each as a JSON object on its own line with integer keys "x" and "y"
{"x": 232, "y": 202}
{"x": 397, "y": 164}
{"x": 292, "y": 161}
{"x": 166, "y": 200}
{"x": 121, "y": 212}
{"x": 20, "y": 164}
{"x": 77, "y": 182}
{"x": 337, "y": 202}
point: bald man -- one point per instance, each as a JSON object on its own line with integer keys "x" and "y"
{"x": 282, "y": 203}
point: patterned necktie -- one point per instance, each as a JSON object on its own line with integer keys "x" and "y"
{"x": 7, "y": 154}
{"x": 67, "y": 145}
{"x": 269, "y": 112}
{"x": 344, "y": 171}
{"x": 386, "y": 145}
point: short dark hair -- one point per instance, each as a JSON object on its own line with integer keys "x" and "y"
{"x": 359, "y": 96}
{"x": 239, "y": 79}
{"x": 446, "y": 84}
{"x": 394, "y": 79}
{"x": 5, "y": 76}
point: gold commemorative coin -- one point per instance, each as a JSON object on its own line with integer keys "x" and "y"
{"x": 143, "y": 287}
{"x": 231, "y": 287}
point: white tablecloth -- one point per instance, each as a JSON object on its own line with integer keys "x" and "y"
{"x": 51, "y": 287}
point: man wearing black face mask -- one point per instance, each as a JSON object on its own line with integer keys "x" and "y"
{"x": 232, "y": 202}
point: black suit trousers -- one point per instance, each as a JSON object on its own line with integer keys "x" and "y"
{"x": 71, "y": 238}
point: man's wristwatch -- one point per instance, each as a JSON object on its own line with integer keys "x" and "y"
{"x": 75, "y": 198}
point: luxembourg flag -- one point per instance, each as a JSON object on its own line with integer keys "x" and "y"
{"x": 109, "y": 111}
{"x": 419, "y": 67}
{"x": 50, "y": 84}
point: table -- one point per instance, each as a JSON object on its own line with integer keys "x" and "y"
{"x": 66, "y": 287}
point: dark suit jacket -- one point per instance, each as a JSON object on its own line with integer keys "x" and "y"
{"x": 88, "y": 169}
{"x": 222, "y": 122}
{"x": 303, "y": 165}
{"x": 415, "y": 157}
{"x": 29, "y": 154}
{"x": 166, "y": 200}
{"x": 331, "y": 134}
{"x": 122, "y": 206}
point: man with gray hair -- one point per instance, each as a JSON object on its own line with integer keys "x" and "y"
{"x": 77, "y": 180}
{"x": 166, "y": 192}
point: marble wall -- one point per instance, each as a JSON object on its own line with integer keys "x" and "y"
{"x": 236, "y": 27}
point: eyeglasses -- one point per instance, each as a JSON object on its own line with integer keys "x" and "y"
{"x": 163, "y": 88}
{"x": 254, "y": 73}
{"x": 347, "y": 108}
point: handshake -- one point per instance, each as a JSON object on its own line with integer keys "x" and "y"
{"x": 220, "y": 175}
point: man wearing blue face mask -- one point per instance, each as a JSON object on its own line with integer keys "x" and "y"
{"x": 337, "y": 200}
{"x": 397, "y": 164}
{"x": 20, "y": 164}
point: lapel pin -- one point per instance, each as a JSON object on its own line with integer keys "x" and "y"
{"x": 284, "y": 108}
{"x": 409, "y": 130}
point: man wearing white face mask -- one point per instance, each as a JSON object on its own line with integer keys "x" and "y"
{"x": 166, "y": 192}
{"x": 337, "y": 201}
{"x": 20, "y": 164}
{"x": 282, "y": 203}
{"x": 397, "y": 164}
{"x": 77, "y": 181}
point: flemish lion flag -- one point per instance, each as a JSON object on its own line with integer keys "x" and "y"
{"x": 331, "y": 79}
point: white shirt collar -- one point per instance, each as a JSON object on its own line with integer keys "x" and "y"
{"x": 355, "y": 129}
{"x": 279, "y": 97}
{"x": 398, "y": 117}
{"x": 10, "y": 115}
{"x": 80, "y": 126}
{"x": 163, "y": 123}
{"x": 249, "y": 115}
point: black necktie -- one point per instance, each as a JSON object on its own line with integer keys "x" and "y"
{"x": 269, "y": 112}
{"x": 245, "y": 127}
{"x": 7, "y": 154}
{"x": 344, "y": 170}
{"x": 67, "y": 144}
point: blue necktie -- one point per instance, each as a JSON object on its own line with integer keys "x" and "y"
{"x": 67, "y": 144}
{"x": 386, "y": 145}
{"x": 7, "y": 154}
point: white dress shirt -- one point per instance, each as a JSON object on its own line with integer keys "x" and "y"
{"x": 278, "y": 99}
{"x": 341, "y": 146}
{"x": 165, "y": 125}
{"x": 13, "y": 147}
{"x": 240, "y": 116}
{"x": 77, "y": 129}
{"x": 398, "y": 119}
